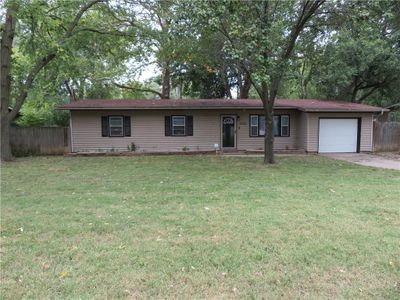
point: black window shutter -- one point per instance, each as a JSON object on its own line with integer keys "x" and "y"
{"x": 167, "y": 125}
{"x": 104, "y": 126}
{"x": 280, "y": 125}
{"x": 250, "y": 126}
{"x": 127, "y": 126}
{"x": 189, "y": 125}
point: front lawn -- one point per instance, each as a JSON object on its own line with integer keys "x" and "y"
{"x": 198, "y": 227}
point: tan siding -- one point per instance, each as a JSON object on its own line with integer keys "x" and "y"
{"x": 148, "y": 131}
{"x": 313, "y": 128}
{"x": 301, "y": 141}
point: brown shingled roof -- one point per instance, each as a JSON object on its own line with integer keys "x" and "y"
{"x": 309, "y": 105}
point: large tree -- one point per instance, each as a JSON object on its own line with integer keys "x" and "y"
{"x": 362, "y": 57}
{"x": 153, "y": 20}
{"x": 351, "y": 55}
{"x": 7, "y": 38}
{"x": 261, "y": 36}
{"x": 46, "y": 32}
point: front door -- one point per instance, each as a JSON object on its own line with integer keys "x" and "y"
{"x": 228, "y": 131}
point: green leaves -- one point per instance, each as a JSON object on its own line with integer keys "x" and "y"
{"x": 348, "y": 48}
{"x": 362, "y": 59}
{"x": 88, "y": 43}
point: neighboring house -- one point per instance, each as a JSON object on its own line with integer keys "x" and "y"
{"x": 205, "y": 124}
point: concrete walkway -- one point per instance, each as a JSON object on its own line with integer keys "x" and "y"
{"x": 364, "y": 159}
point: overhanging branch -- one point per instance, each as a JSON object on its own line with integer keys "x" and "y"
{"x": 139, "y": 89}
{"x": 45, "y": 60}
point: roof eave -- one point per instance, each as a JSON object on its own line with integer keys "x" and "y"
{"x": 171, "y": 108}
{"x": 154, "y": 108}
{"x": 342, "y": 110}
{"x": 311, "y": 110}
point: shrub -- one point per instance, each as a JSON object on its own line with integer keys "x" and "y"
{"x": 132, "y": 147}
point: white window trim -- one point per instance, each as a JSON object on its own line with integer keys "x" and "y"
{"x": 184, "y": 125}
{"x": 121, "y": 126}
{"x": 288, "y": 124}
{"x": 251, "y": 125}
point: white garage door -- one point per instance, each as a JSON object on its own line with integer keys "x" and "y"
{"x": 338, "y": 135}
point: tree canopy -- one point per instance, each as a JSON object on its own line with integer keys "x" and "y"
{"x": 350, "y": 53}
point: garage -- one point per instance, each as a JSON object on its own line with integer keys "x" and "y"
{"x": 338, "y": 135}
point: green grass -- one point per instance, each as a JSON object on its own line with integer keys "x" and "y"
{"x": 198, "y": 227}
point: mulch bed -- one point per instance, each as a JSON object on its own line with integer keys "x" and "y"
{"x": 127, "y": 153}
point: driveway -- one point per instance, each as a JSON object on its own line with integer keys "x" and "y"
{"x": 364, "y": 159}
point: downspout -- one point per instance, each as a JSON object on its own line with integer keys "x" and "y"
{"x": 70, "y": 131}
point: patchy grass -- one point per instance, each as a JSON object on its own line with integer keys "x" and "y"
{"x": 198, "y": 227}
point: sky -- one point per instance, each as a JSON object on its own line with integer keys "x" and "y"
{"x": 147, "y": 73}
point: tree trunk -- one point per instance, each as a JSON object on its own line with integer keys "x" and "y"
{"x": 239, "y": 85}
{"x": 225, "y": 79}
{"x": 6, "y": 154}
{"x": 227, "y": 88}
{"x": 71, "y": 91}
{"x": 269, "y": 133}
{"x": 355, "y": 90}
{"x": 5, "y": 79}
{"x": 245, "y": 87}
{"x": 268, "y": 96}
{"x": 166, "y": 81}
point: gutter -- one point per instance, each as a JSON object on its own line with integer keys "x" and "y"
{"x": 169, "y": 108}
{"x": 224, "y": 108}
{"x": 342, "y": 110}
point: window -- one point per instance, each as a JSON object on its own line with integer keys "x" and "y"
{"x": 254, "y": 125}
{"x": 280, "y": 125}
{"x": 178, "y": 125}
{"x": 116, "y": 126}
{"x": 284, "y": 125}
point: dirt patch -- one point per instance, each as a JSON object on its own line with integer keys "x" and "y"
{"x": 389, "y": 155}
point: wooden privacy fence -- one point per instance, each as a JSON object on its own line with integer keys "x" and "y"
{"x": 39, "y": 140}
{"x": 387, "y": 136}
